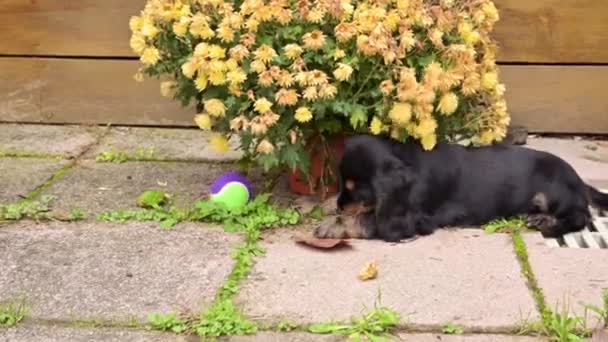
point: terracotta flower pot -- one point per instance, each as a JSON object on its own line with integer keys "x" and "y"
{"x": 322, "y": 178}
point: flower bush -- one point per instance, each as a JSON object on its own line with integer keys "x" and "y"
{"x": 279, "y": 72}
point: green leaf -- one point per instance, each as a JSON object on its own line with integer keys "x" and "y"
{"x": 151, "y": 199}
{"x": 268, "y": 161}
{"x": 290, "y": 156}
{"x": 358, "y": 118}
{"x": 317, "y": 213}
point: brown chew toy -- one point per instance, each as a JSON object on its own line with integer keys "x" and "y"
{"x": 320, "y": 243}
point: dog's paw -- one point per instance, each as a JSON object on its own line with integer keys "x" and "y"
{"x": 543, "y": 222}
{"x": 329, "y": 231}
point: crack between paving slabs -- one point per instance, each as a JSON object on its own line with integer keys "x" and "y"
{"x": 57, "y": 175}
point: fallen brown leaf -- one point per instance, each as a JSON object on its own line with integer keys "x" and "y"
{"x": 369, "y": 271}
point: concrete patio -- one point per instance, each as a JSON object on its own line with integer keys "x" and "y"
{"x": 120, "y": 272}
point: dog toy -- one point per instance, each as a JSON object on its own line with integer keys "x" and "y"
{"x": 232, "y": 189}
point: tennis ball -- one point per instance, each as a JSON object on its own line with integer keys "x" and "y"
{"x": 232, "y": 189}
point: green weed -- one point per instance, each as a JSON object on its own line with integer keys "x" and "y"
{"x": 28, "y": 154}
{"x": 222, "y": 319}
{"x": 12, "y": 311}
{"x": 27, "y": 209}
{"x": 505, "y": 225}
{"x": 452, "y": 329}
{"x": 601, "y": 312}
{"x": 152, "y": 199}
{"x": 77, "y": 214}
{"x": 374, "y": 325}
{"x": 286, "y": 326}
{"x": 258, "y": 212}
{"x": 167, "y": 322}
{"x": 116, "y": 156}
{"x": 564, "y": 327}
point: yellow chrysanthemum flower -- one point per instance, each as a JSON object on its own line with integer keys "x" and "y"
{"x": 216, "y": 52}
{"x": 343, "y": 72}
{"x": 428, "y": 141}
{"x": 225, "y": 33}
{"x": 236, "y": 76}
{"x": 265, "y": 147}
{"x": 283, "y": 16}
{"x": 314, "y": 40}
{"x": 467, "y": 34}
{"x": 258, "y": 66}
{"x": 489, "y": 80}
{"x": 137, "y": 43}
{"x": 217, "y": 78}
{"x": 265, "y": 53}
{"x": 286, "y": 97}
{"x": 215, "y": 107}
{"x": 167, "y": 88}
{"x": 239, "y": 52}
{"x": 284, "y": 79}
{"x": 293, "y": 51}
{"x": 426, "y": 127}
{"x": 199, "y": 27}
{"x": 262, "y": 105}
{"x": 189, "y": 68}
{"x": 203, "y": 121}
{"x": 338, "y": 54}
{"x": 150, "y": 56}
{"x": 310, "y": 94}
{"x": 448, "y": 104}
{"x": 303, "y": 114}
{"x": 386, "y": 87}
{"x": 135, "y": 23}
{"x": 148, "y": 29}
{"x": 376, "y": 126}
{"x": 315, "y": 15}
{"x": 180, "y": 28}
{"x": 201, "y": 82}
{"x": 401, "y": 113}
{"x": 220, "y": 143}
{"x": 265, "y": 79}
{"x": 328, "y": 91}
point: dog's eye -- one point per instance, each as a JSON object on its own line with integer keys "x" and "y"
{"x": 349, "y": 184}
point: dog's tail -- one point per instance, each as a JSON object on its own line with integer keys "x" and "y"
{"x": 597, "y": 198}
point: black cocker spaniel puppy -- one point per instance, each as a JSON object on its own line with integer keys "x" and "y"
{"x": 409, "y": 191}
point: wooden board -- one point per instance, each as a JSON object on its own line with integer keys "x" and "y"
{"x": 529, "y": 31}
{"x": 543, "y": 98}
{"x": 67, "y": 27}
{"x": 83, "y": 91}
{"x": 553, "y": 31}
{"x": 568, "y": 99}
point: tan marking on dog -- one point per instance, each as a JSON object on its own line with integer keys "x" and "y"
{"x": 340, "y": 227}
{"x": 540, "y": 201}
{"x": 349, "y": 184}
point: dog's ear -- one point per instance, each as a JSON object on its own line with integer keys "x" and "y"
{"x": 390, "y": 184}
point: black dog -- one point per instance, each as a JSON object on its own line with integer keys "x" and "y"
{"x": 411, "y": 191}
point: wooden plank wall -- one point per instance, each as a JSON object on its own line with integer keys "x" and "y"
{"x": 69, "y": 61}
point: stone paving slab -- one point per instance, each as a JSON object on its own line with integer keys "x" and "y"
{"x": 20, "y": 176}
{"x": 589, "y": 158}
{"x": 466, "y": 277}
{"x": 66, "y": 141}
{"x": 39, "y": 333}
{"x": 167, "y": 143}
{"x": 112, "y": 271}
{"x": 569, "y": 275}
{"x": 304, "y": 337}
{"x": 96, "y": 187}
